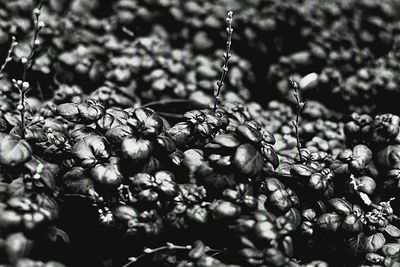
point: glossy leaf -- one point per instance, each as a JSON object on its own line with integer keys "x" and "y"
{"x": 136, "y": 149}
{"x": 248, "y": 161}
{"x": 107, "y": 173}
{"x": 90, "y": 149}
{"x": 181, "y": 133}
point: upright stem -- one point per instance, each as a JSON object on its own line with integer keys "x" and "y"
{"x": 299, "y": 107}
{"x": 34, "y": 45}
{"x": 226, "y": 56}
{"x": 22, "y": 112}
{"x": 24, "y": 87}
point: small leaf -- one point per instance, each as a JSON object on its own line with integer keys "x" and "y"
{"x": 389, "y": 249}
{"x": 181, "y": 133}
{"x": 375, "y": 242}
{"x": 392, "y": 230}
{"x": 302, "y": 170}
{"x": 340, "y": 206}
{"x": 224, "y": 141}
{"x": 329, "y": 222}
{"x": 248, "y": 133}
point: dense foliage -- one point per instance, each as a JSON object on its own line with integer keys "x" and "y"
{"x": 122, "y": 143}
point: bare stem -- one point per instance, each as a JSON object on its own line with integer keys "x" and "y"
{"x": 148, "y": 251}
{"x": 22, "y": 85}
{"x": 226, "y": 56}
{"x": 27, "y": 62}
{"x": 22, "y": 113}
{"x": 299, "y": 107}
{"x": 9, "y": 55}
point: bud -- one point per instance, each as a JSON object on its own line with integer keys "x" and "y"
{"x": 36, "y": 11}
{"x": 24, "y": 60}
{"x": 39, "y": 168}
{"x": 132, "y": 259}
{"x": 41, "y": 24}
{"x": 147, "y": 250}
{"x": 25, "y": 85}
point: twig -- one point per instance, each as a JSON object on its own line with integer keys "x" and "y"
{"x": 35, "y": 41}
{"x": 226, "y": 56}
{"x": 22, "y": 85}
{"x": 9, "y": 55}
{"x": 148, "y": 251}
{"x": 299, "y": 107}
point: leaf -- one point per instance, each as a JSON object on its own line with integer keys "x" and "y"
{"x": 88, "y": 150}
{"x": 165, "y": 144}
{"x": 340, "y": 206}
{"x": 136, "y": 149}
{"x": 117, "y": 135}
{"x": 63, "y": 235}
{"x": 270, "y": 155}
{"x": 146, "y": 121}
{"x": 197, "y": 214}
{"x": 81, "y": 113}
{"x": 107, "y": 173}
{"x": 114, "y": 117}
{"x": 302, "y": 170}
{"x": 248, "y": 161}
{"x": 13, "y": 150}
{"x": 77, "y": 181}
{"x": 192, "y": 159}
{"x": 69, "y": 111}
{"x": 35, "y": 134}
{"x": 223, "y": 141}
{"x": 265, "y": 230}
{"x": 329, "y": 222}
{"x": 389, "y": 249}
{"x": 392, "y": 230}
{"x": 249, "y": 134}
{"x": 181, "y": 133}
{"x": 375, "y": 242}
{"x": 356, "y": 245}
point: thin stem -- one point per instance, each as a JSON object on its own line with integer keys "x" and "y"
{"x": 27, "y": 63}
{"x": 226, "y": 56}
{"x": 24, "y": 86}
{"x": 22, "y": 113}
{"x": 9, "y": 55}
{"x": 148, "y": 251}
{"x": 299, "y": 107}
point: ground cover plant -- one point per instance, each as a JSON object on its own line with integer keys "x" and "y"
{"x": 199, "y": 133}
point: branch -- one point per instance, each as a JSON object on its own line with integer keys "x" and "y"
{"x": 9, "y": 55}
{"x": 226, "y": 56}
{"x": 148, "y": 251}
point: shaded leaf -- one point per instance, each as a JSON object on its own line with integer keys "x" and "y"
{"x": 13, "y": 150}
